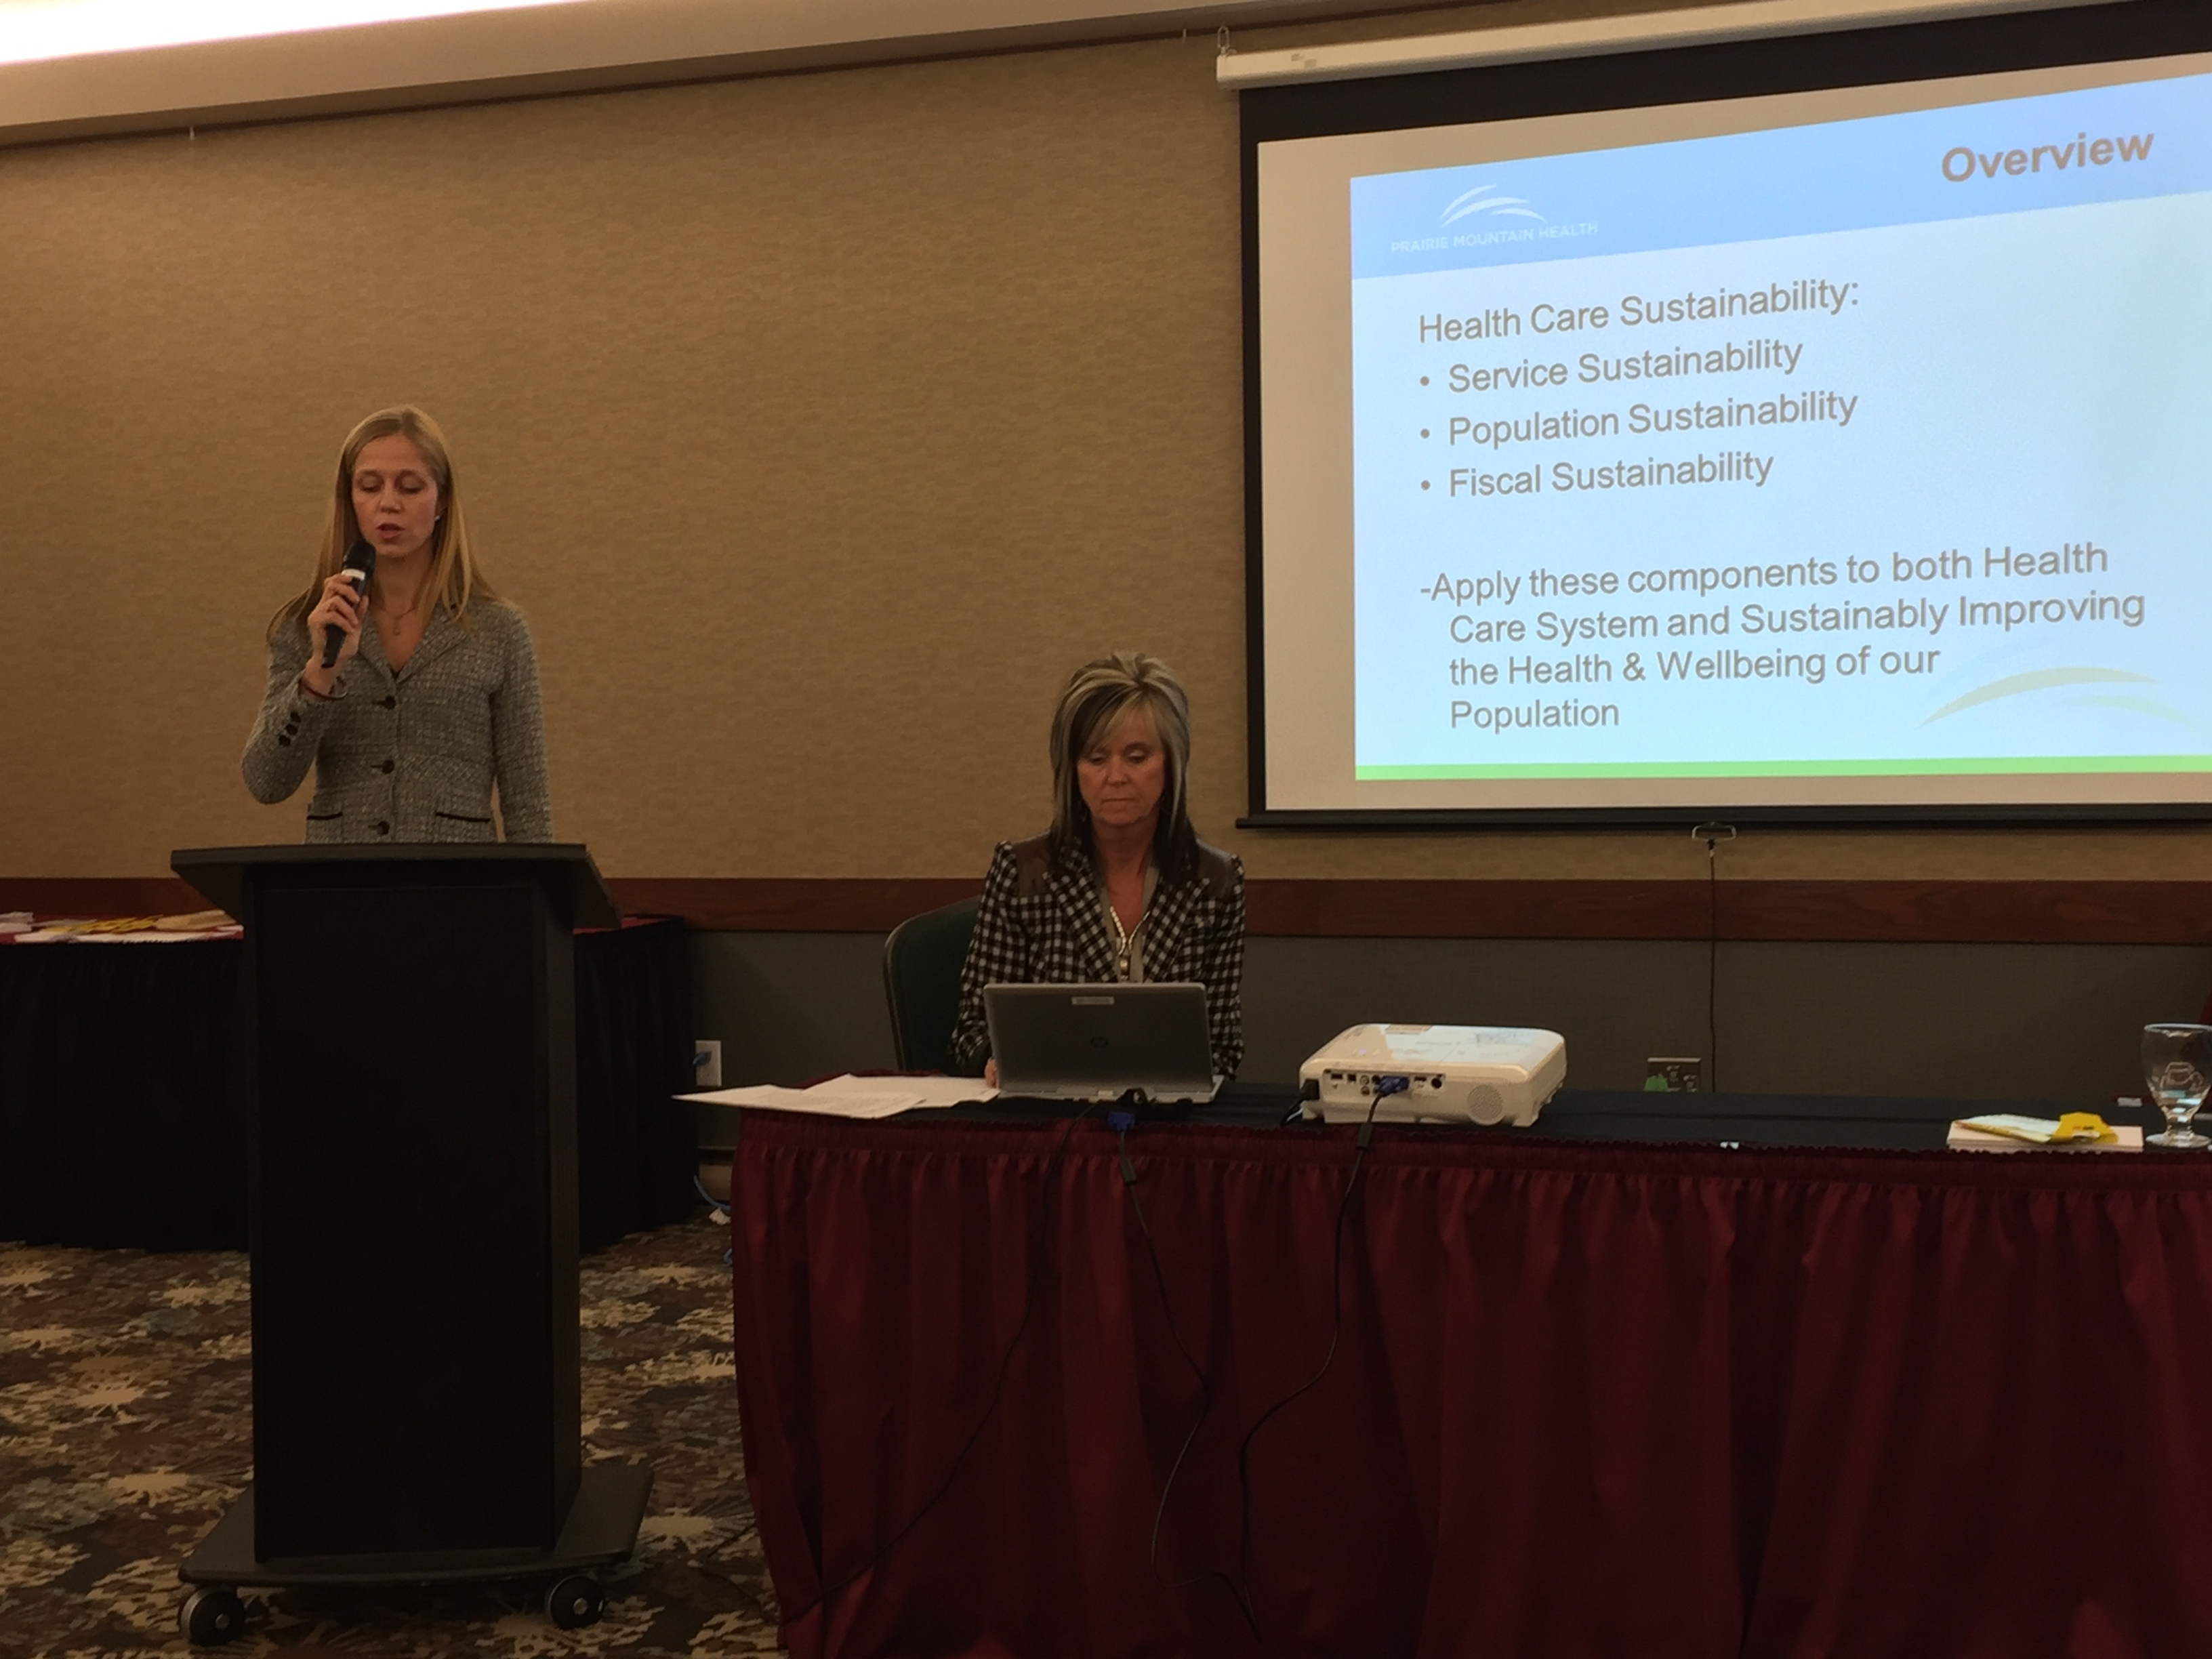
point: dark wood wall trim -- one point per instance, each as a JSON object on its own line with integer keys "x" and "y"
{"x": 1917, "y": 912}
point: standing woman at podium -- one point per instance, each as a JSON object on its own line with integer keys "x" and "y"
{"x": 431, "y": 699}
{"x": 1120, "y": 887}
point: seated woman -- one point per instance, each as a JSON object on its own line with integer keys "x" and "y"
{"x": 431, "y": 699}
{"x": 1120, "y": 887}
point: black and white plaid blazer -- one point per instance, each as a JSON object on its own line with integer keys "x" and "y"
{"x": 1041, "y": 924}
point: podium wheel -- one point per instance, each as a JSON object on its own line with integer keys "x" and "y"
{"x": 575, "y": 1601}
{"x": 211, "y": 1617}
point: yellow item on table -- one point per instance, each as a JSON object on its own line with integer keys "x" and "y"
{"x": 2044, "y": 1131}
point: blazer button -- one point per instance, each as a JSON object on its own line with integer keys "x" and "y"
{"x": 283, "y": 742}
{"x": 390, "y": 702}
{"x": 387, "y": 766}
{"x": 383, "y": 829}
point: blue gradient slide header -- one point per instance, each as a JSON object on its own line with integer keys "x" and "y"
{"x": 2061, "y": 150}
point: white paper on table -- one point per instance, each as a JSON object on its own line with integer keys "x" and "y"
{"x": 925, "y": 1090}
{"x": 833, "y": 1104}
{"x": 853, "y": 1097}
{"x": 761, "y": 1094}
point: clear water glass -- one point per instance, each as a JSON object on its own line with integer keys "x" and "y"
{"x": 2178, "y": 1066}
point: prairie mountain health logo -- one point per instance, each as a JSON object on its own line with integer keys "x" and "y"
{"x": 1481, "y": 217}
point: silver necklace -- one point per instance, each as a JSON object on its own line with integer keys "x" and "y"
{"x": 1124, "y": 940}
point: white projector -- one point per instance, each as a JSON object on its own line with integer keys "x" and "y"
{"x": 1452, "y": 1074}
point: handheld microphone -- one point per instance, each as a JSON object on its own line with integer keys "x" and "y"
{"x": 359, "y": 564}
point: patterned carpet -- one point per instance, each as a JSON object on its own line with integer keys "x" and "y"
{"x": 126, "y": 1430}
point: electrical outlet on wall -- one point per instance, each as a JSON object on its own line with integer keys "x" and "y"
{"x": 707, "y": 1063}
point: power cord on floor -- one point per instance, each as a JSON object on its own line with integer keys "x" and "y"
{"x": 723, "y": 1206}
{"x": 720, "y": 1206}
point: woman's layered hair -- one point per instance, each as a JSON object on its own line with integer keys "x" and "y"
{"x": 1096, "y": 698}
{"x": 453, "y": 581}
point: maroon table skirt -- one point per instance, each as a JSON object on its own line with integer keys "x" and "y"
{"x": 1616, "y": 1401}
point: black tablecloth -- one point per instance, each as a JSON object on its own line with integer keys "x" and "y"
{"x": 118, "y": 1122}
{"x": 1864, "y": 1122}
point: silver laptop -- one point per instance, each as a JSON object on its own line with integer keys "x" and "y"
{"x": 1097, "y": 1041}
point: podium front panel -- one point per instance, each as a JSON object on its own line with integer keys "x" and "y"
{"x": 413, "y": 1213}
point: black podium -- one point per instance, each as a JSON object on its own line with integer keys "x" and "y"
{"x": 410, "y": 1045}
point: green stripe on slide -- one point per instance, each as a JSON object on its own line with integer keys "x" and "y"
{"x": 2023, "y": 766}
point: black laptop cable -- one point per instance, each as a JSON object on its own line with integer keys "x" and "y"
{"x": 1121, "y": 1125}
{"x": 1384, "y": 1088}
{"x": 998, "y": 1387}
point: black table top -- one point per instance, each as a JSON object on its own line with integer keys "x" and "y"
{"x": 1858, "y": 1122}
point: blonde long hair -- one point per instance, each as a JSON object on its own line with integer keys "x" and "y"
{"x": 454, "y": 579}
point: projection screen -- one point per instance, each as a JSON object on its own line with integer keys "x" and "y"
{"x": 1814, "y": 428}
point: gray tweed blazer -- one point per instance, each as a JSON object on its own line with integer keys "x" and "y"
{"x": 411, "y": 756}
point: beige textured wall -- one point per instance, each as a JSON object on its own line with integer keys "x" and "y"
{"x": 818, "y": 423}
